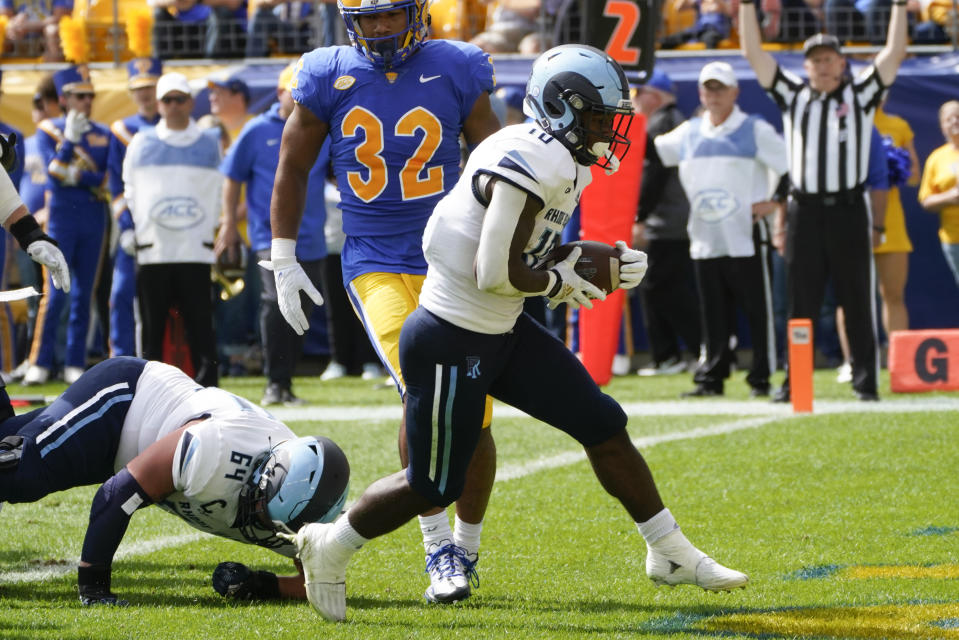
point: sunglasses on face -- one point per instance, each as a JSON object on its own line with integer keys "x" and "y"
{"x": 83, "y": 96}
{"x": 174, "y": 99}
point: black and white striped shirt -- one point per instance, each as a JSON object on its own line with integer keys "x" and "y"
{"x": 828, "y": 135}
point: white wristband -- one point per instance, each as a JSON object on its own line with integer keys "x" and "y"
{"x": 282, "y": 248}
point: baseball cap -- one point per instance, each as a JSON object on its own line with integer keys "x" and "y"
{"x": 721, "y": 72}
{"x": 286, "y": 76}
{"x": 172, "y": 82}
{"x": 230, "y": 81}
{"x": 659, "y": 80}
{"x": 820, "y": 40}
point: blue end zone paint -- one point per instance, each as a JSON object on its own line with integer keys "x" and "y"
{"x": 933, "y": 530}
{"x": 814, "y": 573}
{"x": 946, "y": 623}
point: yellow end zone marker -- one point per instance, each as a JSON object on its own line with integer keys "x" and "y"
{"x": 934, "y": 572}
{"x": 903, "y": 622}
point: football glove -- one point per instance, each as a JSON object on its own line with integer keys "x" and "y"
{"x": 8, "y": 151}
{"x": 570, "y": 287}
{"x": 128, "y": 242}
{"x": 236, "y": 581}
{"x": 44, "y": 251}
{"x": 290, "y": 280}
{"x": 75, "y": 125}
{"x": 632, "y": 266}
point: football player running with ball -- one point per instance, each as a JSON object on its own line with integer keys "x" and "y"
{"x": 151, "y": 435}
{"x": 393, "y": 106}
{"x": 469, "y": 337}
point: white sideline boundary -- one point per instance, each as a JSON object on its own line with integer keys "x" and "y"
{"x": 740, "y": 408}
{"x": 767, "y": 414}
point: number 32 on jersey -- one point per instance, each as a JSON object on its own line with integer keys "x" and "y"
{"x": 416, "y": 121}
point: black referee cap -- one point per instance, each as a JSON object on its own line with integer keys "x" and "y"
{"x": 820, "y": 40}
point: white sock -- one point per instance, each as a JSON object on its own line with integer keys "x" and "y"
{"x": 467, "y": 535}
{"x": 346, "y": 535}
{"x": 658, "y": 526}
{"x": 436, "y": 530}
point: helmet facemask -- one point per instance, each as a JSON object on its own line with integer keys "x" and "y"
{"x": 579, "y": 95}
{"x": 252, "y": 518}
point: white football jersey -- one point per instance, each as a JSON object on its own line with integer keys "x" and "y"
{"x": 528, "y": 158}
{"x": 213, "y": 458}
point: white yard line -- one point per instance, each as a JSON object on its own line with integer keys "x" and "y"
{"x": 514, "y": 471}
{"x": 763, "y": 413}
{"x": 132, "y": 550}
{"x": 904, "y": 404}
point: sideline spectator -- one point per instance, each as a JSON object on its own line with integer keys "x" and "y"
{"x": 33, "y": 184}
{"x": 236, "y": 318}
{"x": 668, "y": 291}
{"x": 180, "y": 28}
{"x": 939, "y": 189}
{"x": 713, "y": 24}
{"x": 351, "y": 353}
{"x": 857, "y": 19}
{"x": 227, "y": 26}
{"x": 172, "y": 188}
{"x": 251, "y": 161}
{"x": 830, "y": 231}
{"x": 34, "y": 22}
{"x": 143, "y": 75}
{"x": 75, "y": 151}
{"x": 730, "y": 164}
{"x": 277, "y": 26}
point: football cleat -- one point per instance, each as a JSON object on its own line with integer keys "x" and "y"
{"x": 451, "y": 571}
{"x": 324, "y": 568}
{"x": 682, "y": 563}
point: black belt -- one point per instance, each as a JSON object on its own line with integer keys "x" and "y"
{"x": 852, "y": 196}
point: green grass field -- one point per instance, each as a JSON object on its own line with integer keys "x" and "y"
{"x": 846, "y": 521}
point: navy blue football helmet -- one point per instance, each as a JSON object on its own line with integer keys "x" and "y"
{"x": 388, "y": 51}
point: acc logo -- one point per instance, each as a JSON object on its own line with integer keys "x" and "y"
{"x": 344, "y": 82}
{"x": 714, "y": 205}
{"x": 177, "y": 213}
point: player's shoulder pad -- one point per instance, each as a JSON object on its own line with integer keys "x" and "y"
{"x": 196, "y": 455}
{"x": 453, "y": 54}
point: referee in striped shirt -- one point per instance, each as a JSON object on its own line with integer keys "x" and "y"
{"x": 830, "y": 232}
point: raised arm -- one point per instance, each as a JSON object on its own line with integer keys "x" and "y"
{"x": 894, "y": 52}
{"x": 750, "y": 43}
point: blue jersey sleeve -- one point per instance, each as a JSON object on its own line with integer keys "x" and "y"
{"x": 310, "y": 83}
{"x": 238, "y": 163}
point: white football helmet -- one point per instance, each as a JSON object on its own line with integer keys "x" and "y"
{"x": 580, "y": 95}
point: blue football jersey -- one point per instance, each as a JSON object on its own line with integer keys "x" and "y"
{"x": 394, "y": 135}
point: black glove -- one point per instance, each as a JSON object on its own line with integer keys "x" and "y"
{"x": 235, "y": 580}
{"x": 8, "y": 151}
{"x": 94, "y": 586}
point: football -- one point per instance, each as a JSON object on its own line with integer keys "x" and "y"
{"x": 597, "y": 264}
